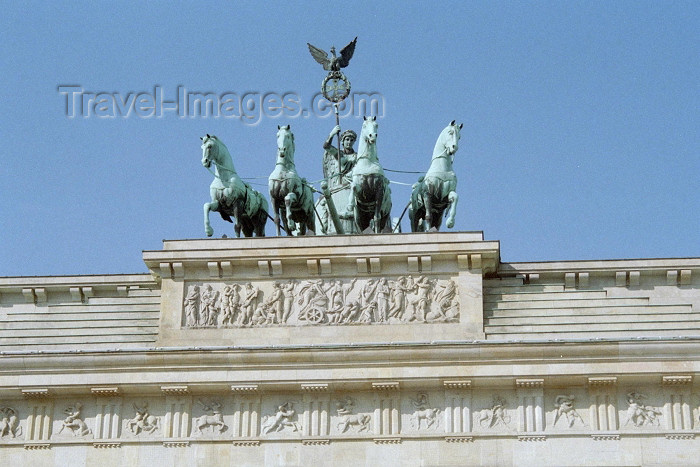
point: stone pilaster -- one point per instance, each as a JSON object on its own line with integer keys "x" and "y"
{"x": 39, "y": 420}
{"x": 316, "y": 415}
{"x": 108, "y": 417}
{"x": 530, "y": 405}
{"x": 178, "y": 412}
{"x": 603, "y": 396}
{"x": 677, "y": 410}
{"x": 458, "y": 399}
{"x": 387, "y": 409}
{"x": 246, "y": 415}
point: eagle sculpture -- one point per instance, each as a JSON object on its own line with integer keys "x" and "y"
{"x": 334, "y": 63}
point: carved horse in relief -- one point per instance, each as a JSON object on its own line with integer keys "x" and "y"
{"x": 429, "y": 415}
{"x": 370, "y": 196}
{"x": 291, "y": 196}
{"x": 231, "y": 196}
{"x": 361, "y": 421}
{"x": 212, "y": 420}
{"x": 435, "y": 192}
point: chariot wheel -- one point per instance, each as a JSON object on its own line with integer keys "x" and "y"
{"x": 315, "y": 316}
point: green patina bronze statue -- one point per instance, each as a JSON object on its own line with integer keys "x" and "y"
{"x": 436, "y": 191}
{"x": 290, "y": 195}
{"x": 231, "y": 196}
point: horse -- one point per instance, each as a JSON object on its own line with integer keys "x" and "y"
{"x": 370, "y": 196}
{"x": 143, "y": 421}
{"x": 359, "y": 420}
{"x": 290, "y": 195}
{"x": 230, "y": 195}
{"x": 429, "y": 415}
{"x": 436, "y": 191}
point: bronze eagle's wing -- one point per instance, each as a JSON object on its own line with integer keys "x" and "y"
{"x": 320, "y": 56}
{"x": 346, "y": 53}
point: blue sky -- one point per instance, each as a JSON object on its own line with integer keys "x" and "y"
{"x": 580, "y": 136}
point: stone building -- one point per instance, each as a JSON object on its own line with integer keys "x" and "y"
{"x": 409, "y": 349}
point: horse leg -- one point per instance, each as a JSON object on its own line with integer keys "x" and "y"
{"x": 213, "y": 206}
{"x": 428, "y": 218}
{"x": 237, "y": 225}
{"x": 289, "y": 201}
{"x": 387, "y": 226}
{"x": 378, "y": 206}
{"x": 453, "y": 198}
{"x": 350, "y": 209}
{"x": 276, "y": 208}
{"x": 260, "y": 226}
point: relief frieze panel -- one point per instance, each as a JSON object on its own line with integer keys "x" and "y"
{"x": 565, "y": 412}
{"x": 639, "y": 411}
{"x": 496, "y": 415}
{"x": 143, "y": 422}
{"x": 211, "y": 423}
{"x": 424, "y": 415}
{"x": 74, "y": 423}
{"x": 284, "y": 419}
{"x": 330, "y": 302}
{"x": 324, "y": 414}
{"x": 349, "y": 419}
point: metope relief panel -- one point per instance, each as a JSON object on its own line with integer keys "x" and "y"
{"x": 281, "y": 418}
{"x": 10, "y": 426}
{"x": 143, "y": 419}
{"x": 208, "y": 419}
{"x": 641, "y": 410}
{"x": 73, "y": 422}
{"x": 567, "y": 410}
{"x": 496, "y": 412}
{"x": 421, "y": 412}
{"x": 332, "y": 302}
{"x": 351, "y": 415}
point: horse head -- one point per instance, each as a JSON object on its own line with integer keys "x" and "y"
{"x": 210, "y": 149}
{"x": 369, "y": 130}
{"x": 285, "y": 145}
{"x": 450, "y": 138}
{"x": 368, "y": 140}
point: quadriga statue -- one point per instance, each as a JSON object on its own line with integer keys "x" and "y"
{"x": 231, "y": 196}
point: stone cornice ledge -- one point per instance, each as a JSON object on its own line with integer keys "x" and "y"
{"x": 601, "y": 265}
{"x": 343, "y": 249}
{"x": 352, "y": 356}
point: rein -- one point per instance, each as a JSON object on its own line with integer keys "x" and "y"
{"x": 212, "y": 161}
{"x": 443, "y": 154}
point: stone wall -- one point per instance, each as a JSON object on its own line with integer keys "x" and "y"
{"x": 412, "y": 349}
{"x": 78, "y": 312}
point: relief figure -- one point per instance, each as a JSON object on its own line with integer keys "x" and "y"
{"x": 640, "y": 414}
{"x": 192, "y": 306}
{"x": 565, "y": 406}
{"x": 143, "y": 421}
{"x": 9, "y": 423}
{"x": 74, "y": 422}
{"x": 423, "y": 411}
{"x": 281, "y": 420}
{"x": 348, "y": 418}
